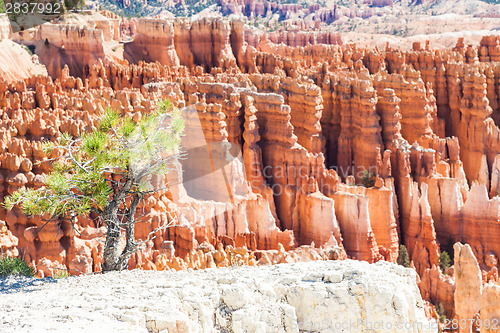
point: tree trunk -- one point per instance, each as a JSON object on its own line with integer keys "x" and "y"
{"x": 111, "y": 258}
{"x": 111, "y": 250}
{"x": 130, "y": 245}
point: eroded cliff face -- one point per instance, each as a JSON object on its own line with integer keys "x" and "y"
{"x": 336, "y": 151}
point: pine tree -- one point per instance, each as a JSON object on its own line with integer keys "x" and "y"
{"x": 403, "y": 257}
{"x": 444, "y": 261}
{"x": 108, "y": 172}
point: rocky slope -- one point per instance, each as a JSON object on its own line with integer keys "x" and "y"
{"x": 16, "y": 62}
{"x": 314, "y": 296}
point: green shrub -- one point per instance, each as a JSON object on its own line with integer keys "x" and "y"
{"x": 15, "y": 266}
{"x": 403, "y": 257}
{"x": 444, "y": 261}
{"x": 27, "y": 49}
{"x": 61, "y": 273}
{"x": 440, "y": 311}
{"x": 368, "y": 179}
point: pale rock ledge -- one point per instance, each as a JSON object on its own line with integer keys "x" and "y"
{"x": 317, "y": 296}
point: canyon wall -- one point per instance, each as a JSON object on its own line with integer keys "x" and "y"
{"x": 337, "y": 151}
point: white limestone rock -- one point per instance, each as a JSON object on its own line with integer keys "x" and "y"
{"x": 317, "y": 296}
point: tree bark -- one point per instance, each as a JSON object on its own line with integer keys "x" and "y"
{"x": 130, "y": 246}
{"x": 111, "y": 256}
{"x": 111, "y": 251}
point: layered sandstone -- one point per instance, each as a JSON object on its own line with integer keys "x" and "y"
{"x": 8, "y": 242}
{"x": 70, "y": 45}
{"x": 340, "y": 150}
{"x": 490, "y": 299}
{"x": 153, "y": 41}
{"x": 468, "y": 285}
